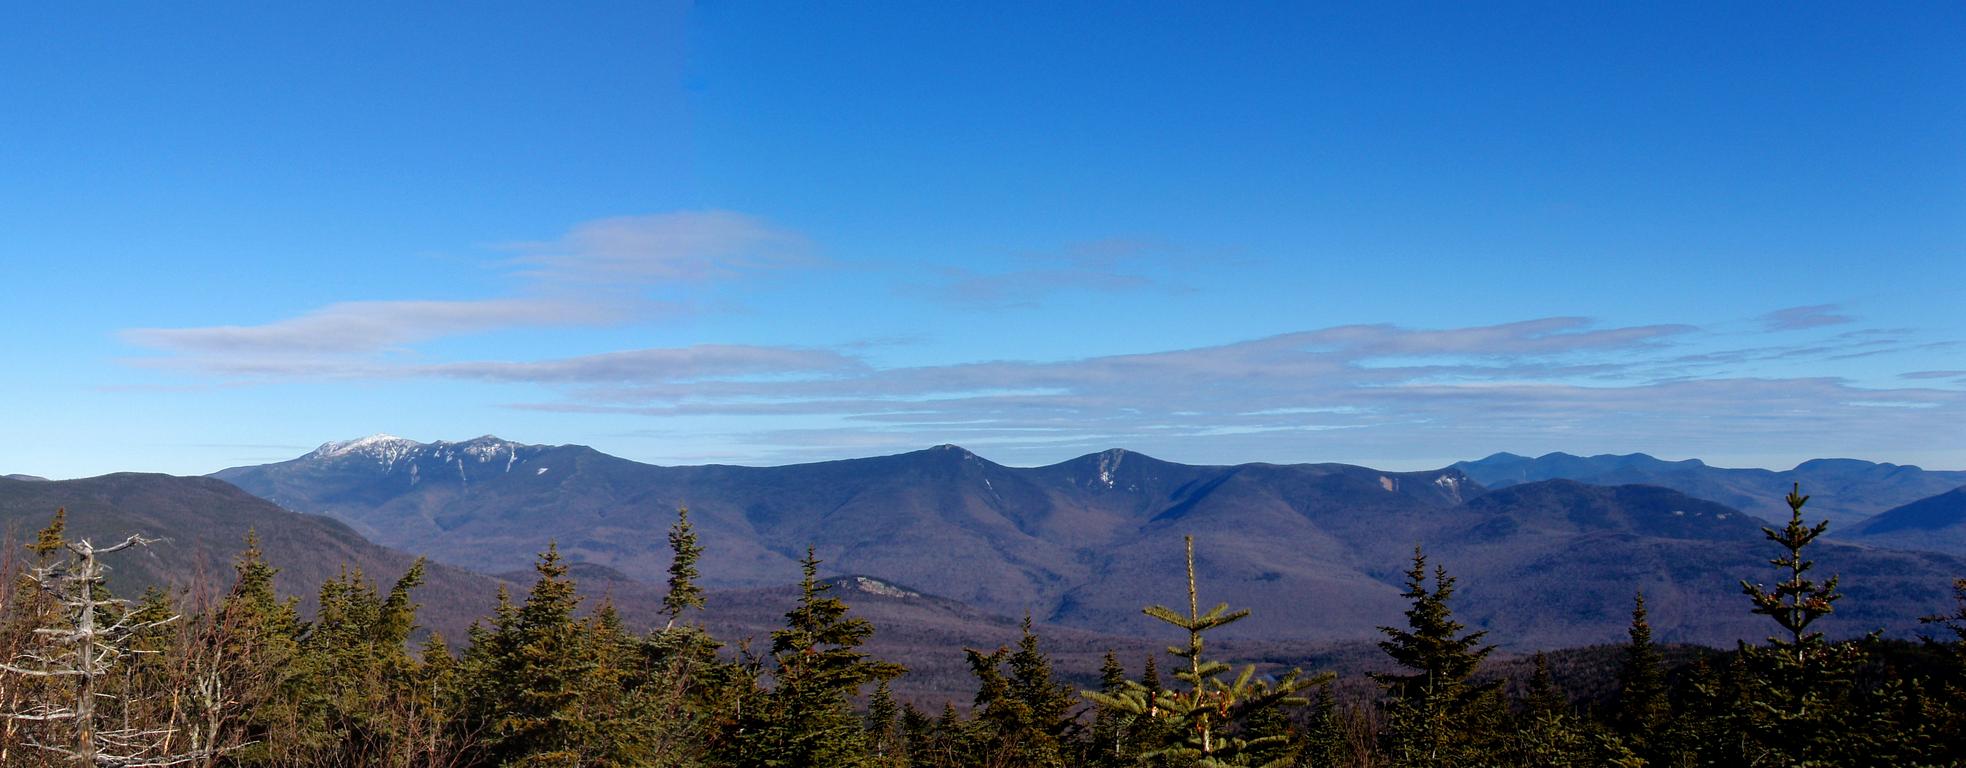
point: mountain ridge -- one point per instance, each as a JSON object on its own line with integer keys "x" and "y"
{"x": 1848, "y": 490}
{"x": 1086, "y": 541}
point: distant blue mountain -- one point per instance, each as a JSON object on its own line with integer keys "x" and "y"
{"x": 1844, "y": 490}
{"x": 1936, "y": 523}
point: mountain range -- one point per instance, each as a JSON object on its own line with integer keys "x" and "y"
{"x": 1843, "y": 490}
{"x": 1318, "y": 549}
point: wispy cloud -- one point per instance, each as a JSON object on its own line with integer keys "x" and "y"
{"x": 1802, "y": 318}
{"x": 367, "y": 326}
{"x": 690, "y": 246}
{"x": 602, "y": 272}
{"x": 679, "y": 365}
{"x": 1549, "y": 382}
{"x": 1100, "y": 266}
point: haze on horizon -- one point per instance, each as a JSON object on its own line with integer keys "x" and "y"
{"x": 763, "y": 235}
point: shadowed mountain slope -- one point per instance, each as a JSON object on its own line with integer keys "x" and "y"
{"x": 203, "y": 523}
{"x": 1936, "y": 523}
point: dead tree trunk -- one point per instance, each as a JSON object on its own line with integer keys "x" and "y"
{"x": 84, "y": 652}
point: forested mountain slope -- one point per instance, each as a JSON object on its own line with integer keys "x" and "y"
{"x": 1086, "y": 542}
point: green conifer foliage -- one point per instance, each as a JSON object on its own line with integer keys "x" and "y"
{"x": 1800, "y": 684}
{"x": 1642, "y": 711}
{"x": 1108, "y": 745}
{"x": 807, "y": 718}
{"x": 50, "y": 539}
{"x": 353, "y": 671}
{"x": 1024, "y": 718}
{"x": 1436, "y": 714}
{"x": 532, "y": 676}
{"x": 1546, "y": 733}
{"x": 1326, "y": 741}
{"x": 257, "y": 654}
{"x": 1211, "y": 719}
{"x": 884, "y": 743}
{"x": 684, "y": 593}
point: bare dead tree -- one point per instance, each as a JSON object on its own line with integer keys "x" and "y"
{"x": 90, "y": 641}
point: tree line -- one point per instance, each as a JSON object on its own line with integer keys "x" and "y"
{"x": 242, "y": 678}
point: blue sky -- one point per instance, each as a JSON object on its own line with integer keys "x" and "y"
{"x": 1398, "y": 235}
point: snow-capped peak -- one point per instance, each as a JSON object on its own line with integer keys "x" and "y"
{"x": 373, "y": 444}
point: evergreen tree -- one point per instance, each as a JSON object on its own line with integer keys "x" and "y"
{"x": 435, "y": 704}
{"x": 1022, "y": 719}
{"x": 1642, "y": 710}
{"x": 352, "y": 671}
{"x": 1545, "y": 733}
{"x": 1212, "y": 718}
{"x": 1436, "y": 714}
{"x": 1108, "y": 746}
{"x": 1801, "y": 683}
{"x": 683, "y": 594}
{"x": 884, "y": 727}
{"x": 807, "y": 718}
{"x": 686, "y": 698}
{"x": 924, "y": 741}
{"x": 256, "y": 654}
{"x": 532, "y": 676}
{"x": 1325, "y": 742}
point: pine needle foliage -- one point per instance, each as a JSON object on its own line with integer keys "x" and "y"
{"x": 1642, "y": 710}
{"x": 807, "y": 718}
{"x": 1436, "y": 714}
{"x": 1211, "y": 717}
{"x": 1799, "y": 684}
{"x": 684, "y": 593}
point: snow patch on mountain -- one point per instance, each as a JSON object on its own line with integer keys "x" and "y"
{"x": 384, "y": 449}
{"x": 1109, "y": 464}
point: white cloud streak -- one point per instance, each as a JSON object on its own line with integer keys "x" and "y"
{"x": 599, "y": 273}
{"x": 1802, "y": 318}
{"x": 663, "y": 248}
{"x": 1550, "y": 383}
{"x": 366, "y": 326}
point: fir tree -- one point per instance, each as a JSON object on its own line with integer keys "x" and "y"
{"x": 1325, "y": 741}
{"x": 884, "y": 727}
{"x": 925, "y": 742}
{"x": 684, "y": 593}
{"x": 1021, "y": 719}
{"x": 1642, "y": 710}
{"x": 1801, "y": 682}
{"x": 1108, "y": 746}
{"x": 1212, "y": 717}
{"x": 533, "y": 676}
{"x": 51, "y": 538}
{"x": 807, "y": 719}
{"x": 1436, "y": 714}
{"x": 352, "y": 661}
{"x": 1549, "y": 732}
{"x": 257, "y": 653}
